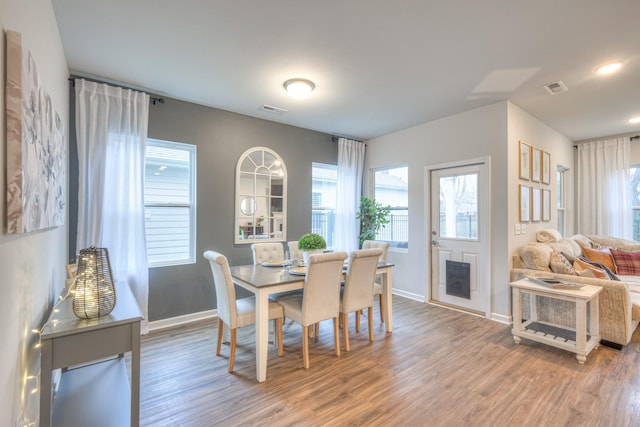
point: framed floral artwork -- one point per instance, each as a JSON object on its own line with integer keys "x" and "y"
{"x": 546, "y": 205}
{"x": 546, "y": 167}
{"x": 536, "y": 166}
{"x": 524, "y": 167}
{"x": 525, "y": 203}
{"x": 536, "y": 204}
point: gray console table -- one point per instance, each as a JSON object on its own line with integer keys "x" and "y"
{"x": 98, "y": 393}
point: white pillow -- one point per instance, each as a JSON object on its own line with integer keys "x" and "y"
{"x": 548, "y": 235}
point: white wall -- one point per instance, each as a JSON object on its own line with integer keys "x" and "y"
{"x": 32, "y": 266}
{"x": 477, "y": 133}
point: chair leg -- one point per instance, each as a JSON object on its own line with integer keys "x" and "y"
{"x": 381, "y": 309}
{"x": 305, "y": 346}
{"x": 336, "y": 335}
{"x": 232, "y": 355}
{"x": 357, "y": 320}
{"x": 220, "y": 324}
{"x": 279, "y": 329}
{"x": 345, "y": 330}
{"x": 370, "y": 318}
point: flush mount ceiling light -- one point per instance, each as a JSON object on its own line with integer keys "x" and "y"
{"x": 609, "y": 68}
{"x": 299, "y": 88}
{"x": 634, "y": 120}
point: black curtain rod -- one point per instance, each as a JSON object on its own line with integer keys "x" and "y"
{"x": 336, "y": 138}
{"x": 154, "y": 99}
{"x": 631, "y": 138}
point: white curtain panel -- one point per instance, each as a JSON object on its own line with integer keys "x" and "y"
{"x": 604, "y": 205}
{"x": 349, "y": 188}
{"x": 111, "y": 127}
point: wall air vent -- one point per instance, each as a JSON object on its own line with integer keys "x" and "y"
{"x": 273, "y": 110}
{"x": 556, "y": 87}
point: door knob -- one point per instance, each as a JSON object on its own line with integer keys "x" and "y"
{"x": 434, "y": 242}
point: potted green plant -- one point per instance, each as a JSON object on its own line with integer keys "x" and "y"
{"x": 311, "y": 243}
{"x": 373, "y": 216}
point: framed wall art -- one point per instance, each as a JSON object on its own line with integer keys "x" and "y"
{"x": 546, "y": 205}
{"x": 525, "y": 203}
{"x": 536, "y": 167}
{"x": 524, "y": 167}
{"x": 546, "y": 167}
{"x": 36, "y": 146}
{"x": 536, "y": 204}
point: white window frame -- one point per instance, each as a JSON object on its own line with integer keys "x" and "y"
{"x": 192, "y": 150}
{"x": 561, "y": 209}
{"x": 332, "y": 167}
{"x": 372, "y": 191}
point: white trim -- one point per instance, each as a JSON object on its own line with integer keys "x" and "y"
{"x": 500, "y": 318}
{"x": 485, "y": 163}
{"x": 409, "y": 295}
{"x": 172, "y": 322}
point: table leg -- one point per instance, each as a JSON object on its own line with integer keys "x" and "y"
{"x": 387, "y": 286}
{"x": 517, "y": 312}
{"x": 581, "y": 330}
{"x": 46, "y": 366}
{"x": 135, "y": 374}
{"x": 594, "y": 319}
{"x": 262, "y": 334}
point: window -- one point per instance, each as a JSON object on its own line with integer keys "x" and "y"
{"x": 561, "y": 177}
{"x": 634, "y": 179}
{"x": 391, "y": 187}
{"x": 323, "y": 200}
{"x": 170, "y": 204}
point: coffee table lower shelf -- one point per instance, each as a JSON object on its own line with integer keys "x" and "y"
{"x": 555, "y": 336}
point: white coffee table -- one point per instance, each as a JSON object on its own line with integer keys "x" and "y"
{"x": 581, "y": 340}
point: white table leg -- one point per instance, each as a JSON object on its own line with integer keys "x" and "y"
{"x": 594, "y": 318}
{"x": 517, "y": 312}
{"x": 262, "y": 334}
{"x": 135, "y": 374}
{"x": 387, "y": 286}
{"x": 581, "y": 330}
{"x": 46, "y": 366}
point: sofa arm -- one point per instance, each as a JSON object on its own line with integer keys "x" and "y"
{"x": 616, "y": 324}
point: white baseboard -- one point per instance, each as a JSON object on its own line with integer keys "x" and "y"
{"x": 172, "y": 322}
{"x": 500, "y": 318}
{"x": 410, "y": 295}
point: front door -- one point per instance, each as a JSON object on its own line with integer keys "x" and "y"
{"x": 459, "y": 250}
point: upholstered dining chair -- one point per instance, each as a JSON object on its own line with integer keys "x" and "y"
{"x": 358, "y": 289}
{"x": 266, "y": 251}
{"x": 320, "y": 298}
{"x": 377, "y": 286}
{"x": 237, "y": 313}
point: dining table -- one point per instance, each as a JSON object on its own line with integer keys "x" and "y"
{"x": 263, "y": 281}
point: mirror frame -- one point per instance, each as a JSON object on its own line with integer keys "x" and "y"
{"x": 274, "y": 224}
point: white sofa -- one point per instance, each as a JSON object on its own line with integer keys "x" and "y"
{"x": 619, "y": 300}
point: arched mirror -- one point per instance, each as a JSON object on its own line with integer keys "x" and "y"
{"x": 261, "y": 196}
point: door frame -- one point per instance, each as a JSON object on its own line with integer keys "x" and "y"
{"x": 485, "y": 167}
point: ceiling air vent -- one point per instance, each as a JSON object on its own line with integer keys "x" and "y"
{"x": 273, "y": 110}
{"x": 555, "y": 87}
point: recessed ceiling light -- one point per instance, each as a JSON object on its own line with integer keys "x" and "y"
{"x": 634, "y": 120}
{"x": 609, "y": 68}
{"x": 299, "y": 88}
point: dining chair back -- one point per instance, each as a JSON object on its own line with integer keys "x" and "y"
{"x": 233, "y": 312}
{"x": 358, "y": 289}
{"x": 266, "y": 251}
{"x": 320, "y": 298}
{"x": 377, "y": 287}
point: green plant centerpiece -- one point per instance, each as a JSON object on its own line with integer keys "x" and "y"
{"x": 373, "y": 216}
{"x": 311, "y": 243}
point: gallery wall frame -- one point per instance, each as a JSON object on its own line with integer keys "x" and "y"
{"x": 546, "y": 205}
{"x": 546, "y": 167}
{"x": 536, "y": 204}
{"x": 525, "y": 203}
{"x": 536, "y": 166}
{"x": 524, "y": 166}
{"x": 36, "y": 146}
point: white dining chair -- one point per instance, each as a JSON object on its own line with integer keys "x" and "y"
{"x": 237, "y": 313}
{"x": 358, "y": 289}
{"x": 263, "y": 252}
{"x": 320, "y": 298}
{"x": 377, "y": 286}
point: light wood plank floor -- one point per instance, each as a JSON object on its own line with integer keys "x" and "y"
{"x": 438, "y": 368}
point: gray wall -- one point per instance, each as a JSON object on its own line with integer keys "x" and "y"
{"x": 221, "y": 137}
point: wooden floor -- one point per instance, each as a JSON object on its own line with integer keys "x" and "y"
{"x": 438, "y": 368}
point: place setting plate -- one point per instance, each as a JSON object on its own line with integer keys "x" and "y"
{"x": 275, "y": 263}
{"x": 298, "y": 271}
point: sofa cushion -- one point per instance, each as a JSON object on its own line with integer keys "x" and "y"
{"x": 616, "y": 242}
{"x": 627, "y": 262}
{"x": 635, "y": 305}
{"x": 548, "y": 235}
{"x": 568, "y": 247}
{"x": 602, "y": 256}
{"x": 585, "y": 269}
{"x": 535, "y": 256}
{"x": 560, "y": 264}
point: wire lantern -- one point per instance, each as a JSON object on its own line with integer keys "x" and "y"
{"x": 95, "y": 294}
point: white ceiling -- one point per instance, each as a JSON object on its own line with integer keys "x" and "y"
{"x": 379, "y": 65}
